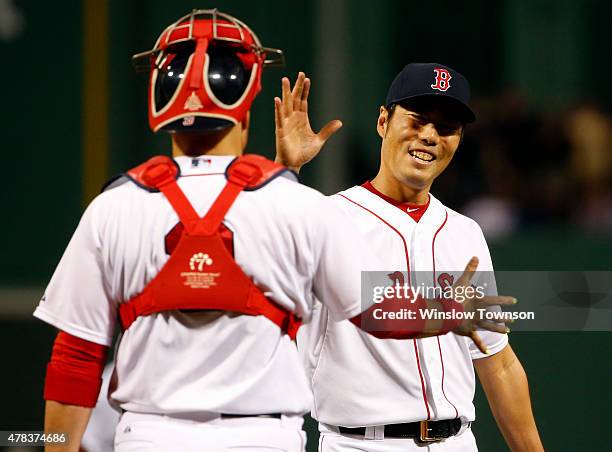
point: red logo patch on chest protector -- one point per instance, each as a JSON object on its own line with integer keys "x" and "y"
{"x": 442, "y": 81}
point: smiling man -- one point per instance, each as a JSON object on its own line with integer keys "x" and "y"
{"x": 419, "y": 144}
{"x": 415, "y": 394}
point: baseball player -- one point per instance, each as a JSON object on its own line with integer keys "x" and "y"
{"x": 208, "y": 262}
{"x": 416, "y": 394}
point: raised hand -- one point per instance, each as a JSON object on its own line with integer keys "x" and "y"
{"x": 473, "y": 304}
{"x": 296, "y": 142}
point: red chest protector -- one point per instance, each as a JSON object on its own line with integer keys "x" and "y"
{"x": 201, "y": 273}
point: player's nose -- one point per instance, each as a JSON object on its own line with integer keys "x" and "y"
{"x": 428, "y": 134}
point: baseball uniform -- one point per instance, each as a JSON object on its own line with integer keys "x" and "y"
{"x": 361, "y": 381}
{"x": 176, "y": 369}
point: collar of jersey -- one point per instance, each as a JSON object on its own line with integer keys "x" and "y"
{"x": 433, "y": 216}
{"x": 414, "y": 211}
{"x": 204, "y": 164}
{"x": 402, "y": 205}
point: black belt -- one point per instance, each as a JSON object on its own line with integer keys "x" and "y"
{"x": 424, "y": 431}
{"x": 270, "y": 415}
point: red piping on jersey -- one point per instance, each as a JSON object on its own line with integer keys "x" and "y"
{"x": 416, "y": 352}
{"x": 433, "y": 257}
{"x": 433, "y": 244}
{"x": 444, "y": 393}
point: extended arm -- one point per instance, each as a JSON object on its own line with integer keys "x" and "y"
{"x": 419, "y": 327}
{"x": 505, "y": 383}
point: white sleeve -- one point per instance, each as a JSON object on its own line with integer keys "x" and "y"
{"x": 77, "y": 298}
{"x": 342, "y": 256}
{"x": 495, "y": 342}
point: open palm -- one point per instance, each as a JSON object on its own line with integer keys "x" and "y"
{"x": 296, "y": 142}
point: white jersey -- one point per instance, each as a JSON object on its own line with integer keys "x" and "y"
{"x": 290, "y": 239}
{"x": 359, "y": 380}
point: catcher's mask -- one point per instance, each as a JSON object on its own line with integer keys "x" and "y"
{"x": 205, "y": 72}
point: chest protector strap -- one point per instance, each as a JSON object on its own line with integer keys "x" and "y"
{"x": 201, "y": 274}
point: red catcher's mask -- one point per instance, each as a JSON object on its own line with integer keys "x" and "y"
{"x": 205, "y": 72}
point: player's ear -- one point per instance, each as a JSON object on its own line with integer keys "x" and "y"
{"x": 383, "y": 119}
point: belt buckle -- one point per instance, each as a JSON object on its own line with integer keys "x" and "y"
{"x": 424, "y": 433}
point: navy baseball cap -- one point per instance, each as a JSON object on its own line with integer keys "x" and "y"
{"x": 435, "y": 80}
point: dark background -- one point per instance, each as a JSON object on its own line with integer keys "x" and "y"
{"x": 74, "y": 112}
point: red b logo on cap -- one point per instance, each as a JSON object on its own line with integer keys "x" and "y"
{"x": 442, "y": 79}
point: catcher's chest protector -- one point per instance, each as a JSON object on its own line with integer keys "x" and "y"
{"x": 201, "y": 273}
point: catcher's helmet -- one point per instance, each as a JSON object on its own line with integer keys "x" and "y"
{"x": 205, "y": 72}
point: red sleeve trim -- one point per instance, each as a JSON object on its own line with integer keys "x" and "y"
{"x": 74, "y": 372}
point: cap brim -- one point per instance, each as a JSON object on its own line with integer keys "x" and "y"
{"x": 465, "y": 113}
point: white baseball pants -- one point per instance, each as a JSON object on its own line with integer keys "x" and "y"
{"x": 157, "y": 433}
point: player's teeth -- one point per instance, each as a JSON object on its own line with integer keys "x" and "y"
{"x": 422, "y": 156}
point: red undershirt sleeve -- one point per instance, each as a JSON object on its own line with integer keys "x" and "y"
{"x": 74, "y": 372}
{"x": 393, "y": 327}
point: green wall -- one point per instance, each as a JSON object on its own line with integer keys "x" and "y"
{"x": 41, "y": 140}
